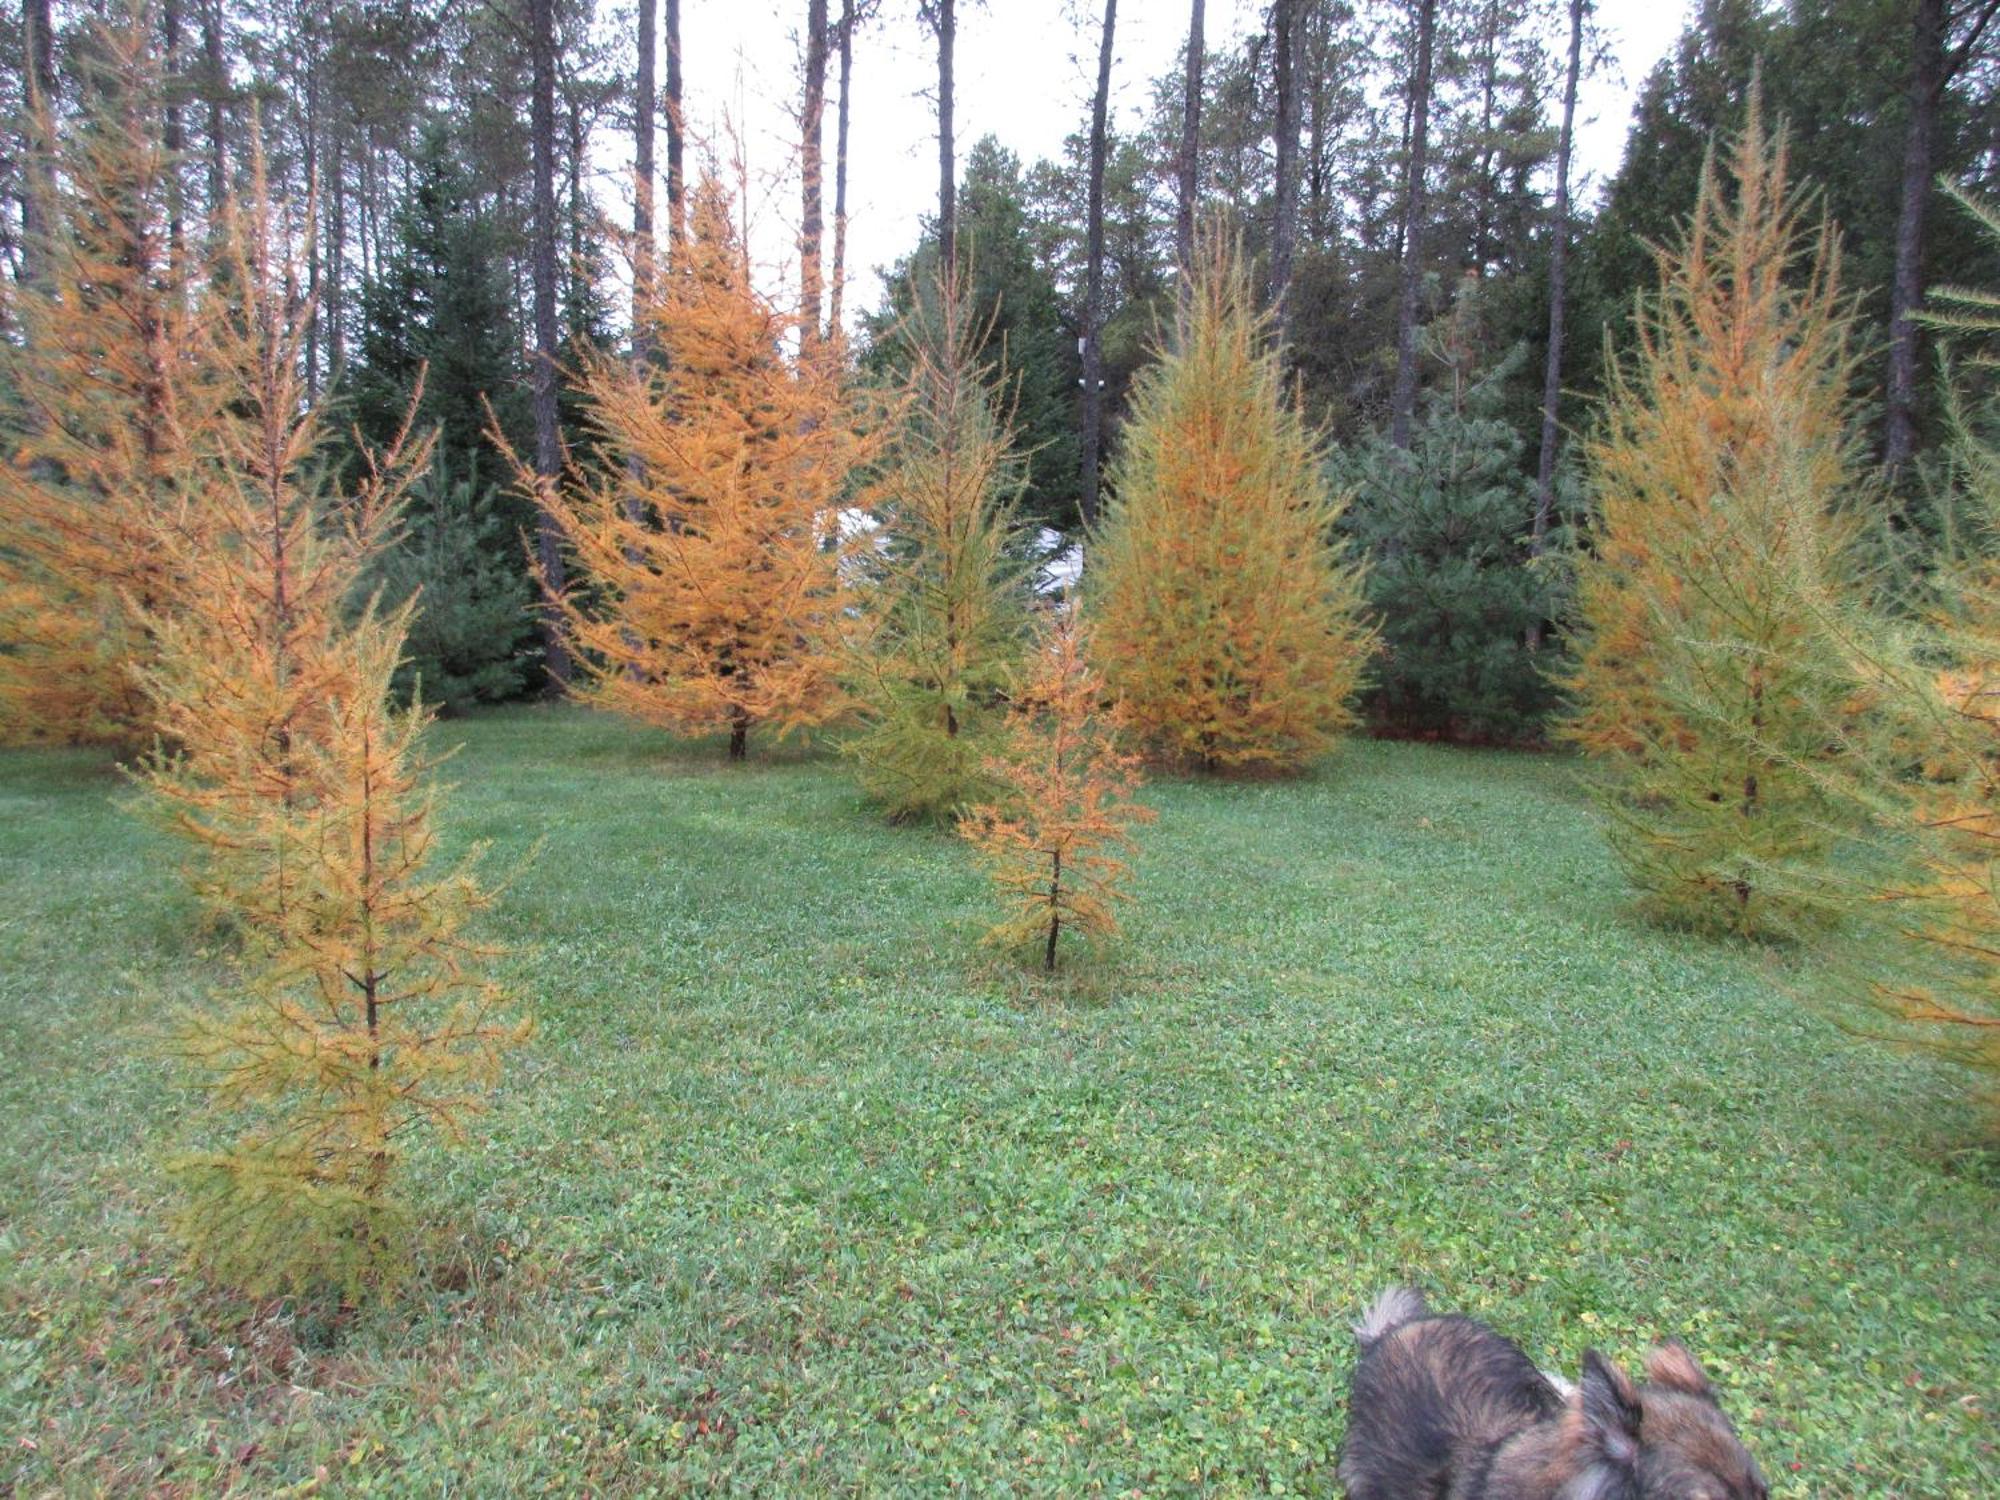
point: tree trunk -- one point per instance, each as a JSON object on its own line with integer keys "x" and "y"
{"x": 1403, "y": 402}
{"x": 38, "y": 44}
{"x": 336, "y": 256}
{"x": 1093, "y": 280}
{"x": 838, "y": 292}
{"x": 1286, "y": 30}
{"x": 812, "y": 212}
{"x": 217, "y": 72}
{"x": 1545, "y": 467}
{"x": 1489, "y": 85}
{"x": 944, "y": 18}
{"x": 1906, "y": 286}
{"x": 676, "y": 135}
{"x": 174, "y": 135}
{"x": 1190, "y": 161}
{"x": 739, "y": 734}
{"x": 1055, "y": 909}
{"x": 548, "y": 441}
{"x": 645, "y": 101}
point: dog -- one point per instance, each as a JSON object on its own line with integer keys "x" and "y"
{"x": 1444, "y": 1408}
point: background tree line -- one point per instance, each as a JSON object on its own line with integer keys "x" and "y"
{"x": 1399, "y": 171}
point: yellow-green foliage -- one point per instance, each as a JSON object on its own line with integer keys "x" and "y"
{"x": 1051, "y": 846}
{"x": 110, "y": 405}
{"x": 360, "y": 1011}
{"x": 1930, "y": 962}
{"x": 944, "y": 607}
{"x": 1228, "y": 615}
{"x": 1707, "y": 673}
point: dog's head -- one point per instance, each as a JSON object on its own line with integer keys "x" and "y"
{"x": 1665, "y": 1439}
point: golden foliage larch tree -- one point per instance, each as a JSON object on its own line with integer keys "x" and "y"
{"x": 944, "y": 606}
{"x": 709, "y": 591}
{"x": 1052, "y": 847}
{"x": 111, "y": 404}
{"x": 1706, "y": 674}
{"x": 363, "y": 1010}
{"x": 1227, "y": 612}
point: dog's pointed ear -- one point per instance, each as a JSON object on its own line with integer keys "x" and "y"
{"x": 1670, "y": 1366}
{"x": 1609, "y": 1403}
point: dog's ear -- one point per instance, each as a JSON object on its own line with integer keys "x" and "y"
{"x": 1609, "y": 1403}
{"x": 1670, "y": 1366}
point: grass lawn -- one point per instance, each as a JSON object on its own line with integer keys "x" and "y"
{"x": 799, "y": 1191}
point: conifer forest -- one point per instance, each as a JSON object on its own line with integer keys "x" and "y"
{"x": 940, "y": 746}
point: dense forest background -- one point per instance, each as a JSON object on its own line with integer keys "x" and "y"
{"x": 1399, "y": 172}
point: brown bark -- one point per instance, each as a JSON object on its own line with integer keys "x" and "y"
{"x": 548, "y": 440}
{"x": 676, "y": 134}
{"x": 1403, "y": 402}
{"x": 1931, "y": 70}
{"x": 1190, "y": 156}
{"x": 1091, "y": 430}
{"x": 216, "y": 71}
{"x": 645, "y": 105}
{"x": 837, "y": 293}
{"x": 1287, "y": 30}
{"x": 812, "y": 209}
{"x": 944, "y": 22}
{"x": 38, "y": 44}
{"x": 1545, "y": 466}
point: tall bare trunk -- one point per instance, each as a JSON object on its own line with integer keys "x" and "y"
{"x": 676, "y": 134}
{"x": 174, "y": 133}
{"x": 812, "y": 208}
{"x": 1190, "y": 159}
{"x": 1093, "y": 280}
{"x": 1545, "y": 468}
{"x": 216, "y": 71}
{"x": 1287, "y": 30}
{"x": 548, "y": 440}
{"x": 38, "y": 44}
{"x": 645, "y": 106}
{"x": 838, "y": 292}
{"x": 944, "y": 20}
{"x": 1906, "y": 286}
{"x": 1403, "y": 401}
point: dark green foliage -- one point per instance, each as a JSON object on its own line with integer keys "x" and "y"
{"x": 472, "y": 639}
{"x": 1026, "y": 346}
{"x": 1450, "y": 583}
{"x": 442, "y": 307}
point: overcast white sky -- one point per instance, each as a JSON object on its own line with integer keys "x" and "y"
{"x": 1025, "y": 73}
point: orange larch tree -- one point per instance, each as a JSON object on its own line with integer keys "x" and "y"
{"x": 1228, "y": 612}
{"x": 109, "y": 403}
{"x": 1052, "y": 848}
{"x": 1707, "y": 673}
{"x": 708, "y": 591}
{"x": 362, "y": 1010}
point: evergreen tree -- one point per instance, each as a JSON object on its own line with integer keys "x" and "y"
{"x": 945, "y": 607}
{"x": 1706, "y": 674}
{"x": 1444, "y": 528}
{"x": 456, "y": 565}
{"x": 442, "y": 310}
{"x": 1023, "y": 343}
{"x": 1228, "y": 611}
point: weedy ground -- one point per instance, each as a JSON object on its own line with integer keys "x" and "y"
{"x": 800, "y": 1191}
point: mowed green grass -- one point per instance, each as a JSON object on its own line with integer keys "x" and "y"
{"x": 799, "y": 1191}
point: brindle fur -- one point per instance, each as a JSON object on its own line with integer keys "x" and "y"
{"x": 1444, "y": 1408}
